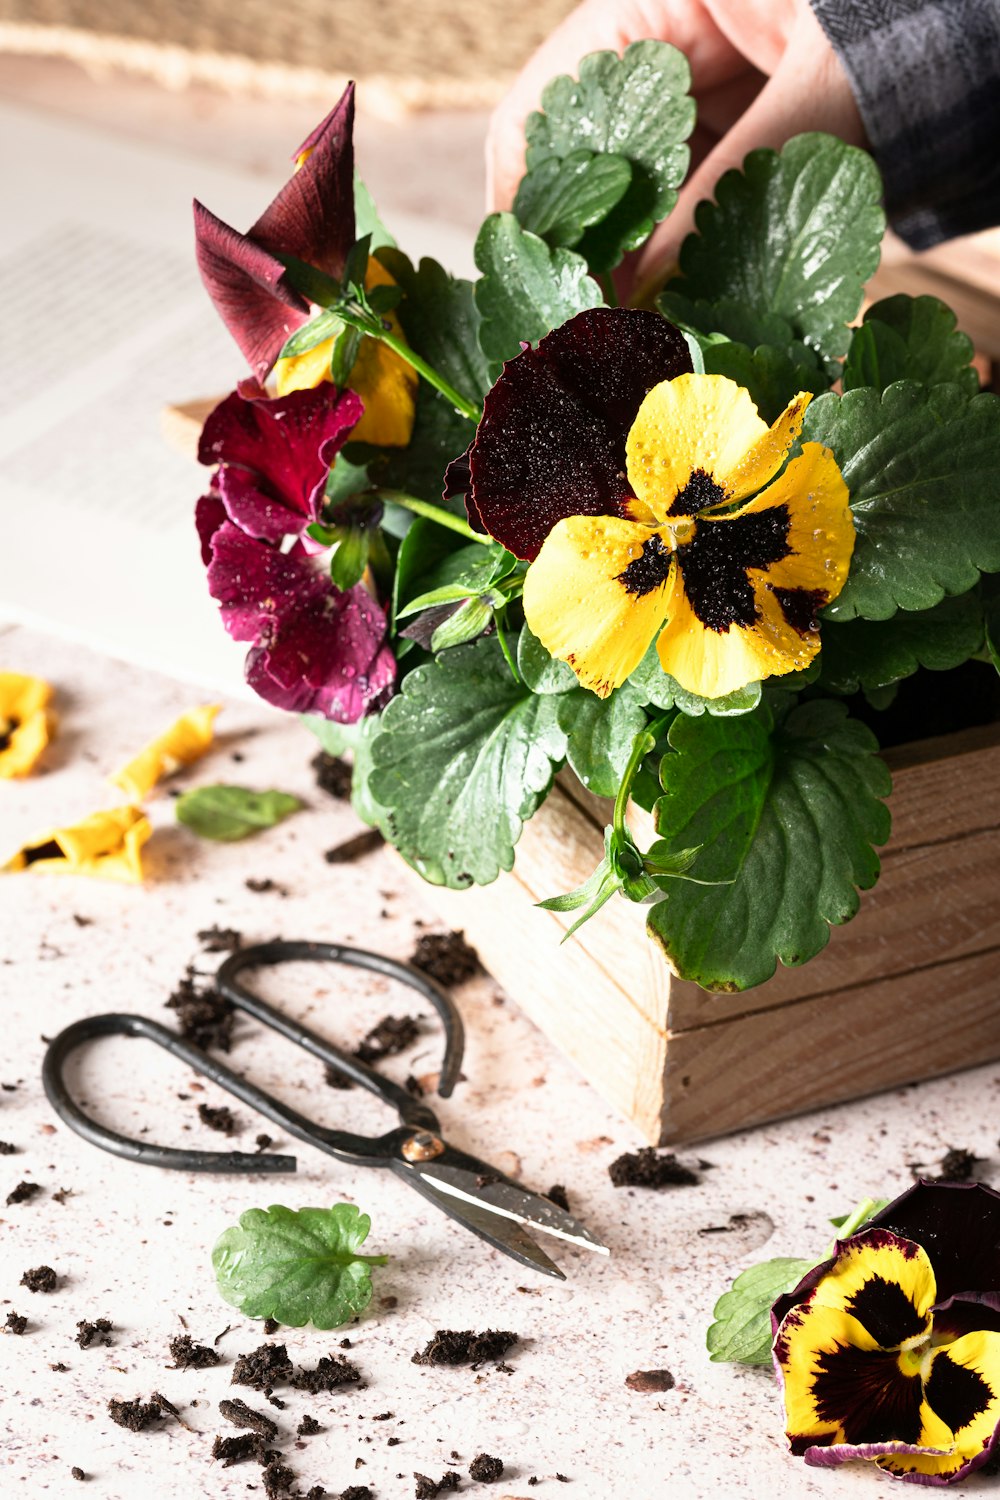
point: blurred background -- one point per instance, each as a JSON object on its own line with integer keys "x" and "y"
{"x": 114, "y": 114}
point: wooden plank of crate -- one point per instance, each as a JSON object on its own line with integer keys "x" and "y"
{"x": 182, "y": 422}
{"x": 878, "y": 1036}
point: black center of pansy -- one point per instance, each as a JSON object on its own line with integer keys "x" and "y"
{"x": 7, "y": 727}
{"x": 956, "y": 1393}
{"x": 800, "y": 607}
{"x": 867, "y": 1394}
{"x": 700, "y": 491}
{"x": 648, "y": 571}
{"x": 48, "y": 850}
{"x": 714, "y": 565}
{"x": 885, "y": 1311}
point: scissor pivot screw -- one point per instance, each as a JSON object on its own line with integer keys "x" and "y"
{"x": 422, "y": 1147}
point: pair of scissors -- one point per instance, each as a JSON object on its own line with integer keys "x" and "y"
{"x": 475, "y": 1194}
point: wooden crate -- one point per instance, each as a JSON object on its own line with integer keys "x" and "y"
{"x": 908, "y": 990}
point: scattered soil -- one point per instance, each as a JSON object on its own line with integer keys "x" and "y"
{"x": 333, "y": 775}
{"x": 16, "y": 1324}
{"x": 220, "y": 939}
{"x": 271, "y": 1325}
{"x": 331, "y": 1372}
{"x": 265, "y": 886}
{"x": 429, "y": 1489}
{"x": 647, "y": 1168}
{"x": 277, "y": 1479}
{"x": 168, "y": 1406}
{"x": 387, "y": 1038}
{"x": 484, "y": 1469}
{"x": 135, "y": 1415}
{"x": 449, "y": 1347}
{"x": 76, "y": 1472}
{"x": 414, "y": 1086}
{"x": 355, "y": 848}
{"x": 23, "y": 1193}
{"x": 335, "y": 1080}
{"x": 263, "y": 1368}
{"x": 308, "y": 1427}
{"x": 957, "y": 1165}
{"x": 187, "y": 1355}
{"x": 41, "y": 1279}
{"x": 247, "y": 1447}
{"x": 93, "y": 1333}
{"x": 204, "y": 1016}
{"x": 7, "y": 1149}
{"x": 62, "y": 1195}
{"x": 220, "y": 1118}
{"x": 59, "y": 1368}
{"x": 557, "y": 1195}
{"x": 357, "y": 1492}
{"x": 242, "y": 1415}
{"x": 263, "y": 1142}
{"x": 650, "y": 1380}
{"x": 446, "y": 957}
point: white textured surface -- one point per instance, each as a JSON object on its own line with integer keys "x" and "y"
{"x": 133, "y": 1244}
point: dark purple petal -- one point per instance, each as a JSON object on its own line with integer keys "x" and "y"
{"x": 312, "y": 217}
{"x": 255, "y": 585}
{"x": 285, "y": 446}
{"x": 209, "y": 515}
{"x": 330, "y": 658}
{"x": 249, "y": 289}
{"x": 958, "y": 1224}
{"x": 551, "y": 442}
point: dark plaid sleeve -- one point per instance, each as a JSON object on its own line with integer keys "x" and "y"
{"x": 926, "y": 76}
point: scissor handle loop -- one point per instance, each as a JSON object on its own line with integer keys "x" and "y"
{"x": 364, "y": 1150}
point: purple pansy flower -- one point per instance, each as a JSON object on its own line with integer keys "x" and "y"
{"x": 314, "y": 648}
{"x": 311, "y": 219}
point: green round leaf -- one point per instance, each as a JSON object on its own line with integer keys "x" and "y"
{"x": 909, "y": 338}
{"x": 298, "y": 1266}
{"x": 872, "y": 654}
{"x": 227, "y": 813}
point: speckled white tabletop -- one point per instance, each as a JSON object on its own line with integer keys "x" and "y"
{"x": 132, "y": 1244}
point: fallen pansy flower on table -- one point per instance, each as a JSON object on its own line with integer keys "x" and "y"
{"x": 889, "y": 1349}
{"x": 107, "y": 845}
{"x": 187, "y": 740}
{"x": 25, "y": 723}
{"x": 689, "y": 554}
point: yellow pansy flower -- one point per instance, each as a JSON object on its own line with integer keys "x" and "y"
{"x": 106, "y": 845}
{"x": 25, "y": 722}
{"x": 187, "y": 739}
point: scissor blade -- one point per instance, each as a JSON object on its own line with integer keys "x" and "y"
{"x": 504, "y": 1233}
{"x": 510, "y": 1201}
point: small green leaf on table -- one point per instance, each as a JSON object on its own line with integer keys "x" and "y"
{"x": 872, "y": 654}
{"x": 795, "y": 234}
{"x": 227, "y": 813}
{"x": 789, "y": 814}
{"x": 909, "y": 338}
{"x": 297, "y": 1266}
{"x": 462, "y": 757}
{"x": 525, "y": 289}
{"x": 636, "y": 107}
{"x": 922, "y": 465}
{"x": 741, "y": 1333}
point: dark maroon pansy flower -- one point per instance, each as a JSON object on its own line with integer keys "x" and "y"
{"x": 551, "y": 442}
{"x": 315, "y": 649}
{"x": 274, "y": 457}
{"x": 311, "y": 219}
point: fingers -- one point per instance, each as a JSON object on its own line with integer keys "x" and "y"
{"x": 594, "y": 26}
{"x": 808, "y": 91}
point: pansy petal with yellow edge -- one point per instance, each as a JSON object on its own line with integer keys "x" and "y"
{"x": 886, "y": 1283}
{"x": 25, "y": 723}
{"x": 106, "y": 845}
{"x": 687, "y": 434}
{"x": 596, "y": 595}
{"x": 187, "y": 739}
{"x": 836, "y": 1379}
{"x": 386, "y": 383}
{"x": 961, "y": 1405}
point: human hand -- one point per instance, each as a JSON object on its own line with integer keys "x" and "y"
{"x": 762, "y": 71}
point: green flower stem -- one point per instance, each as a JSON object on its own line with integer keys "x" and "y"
{"x": 504, "y": 645}
{"x": 644, "y": 742}
{"x": 854, "y": 1220}
{"x": 432, "y": 512}
{"x": 606, "y": 282}
{"x": 464, "y": 407}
